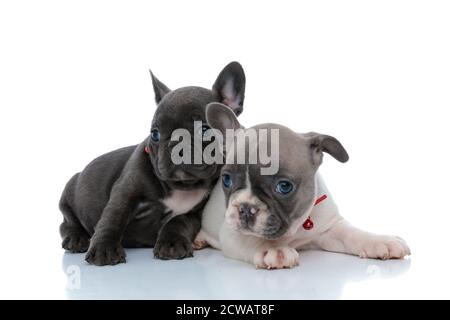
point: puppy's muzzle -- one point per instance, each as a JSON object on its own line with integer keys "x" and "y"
{"x": 247, "y": 213}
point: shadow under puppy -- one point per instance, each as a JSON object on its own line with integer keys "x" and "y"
{"x": 125, "y": 197}
{"x": 265, "y": 219}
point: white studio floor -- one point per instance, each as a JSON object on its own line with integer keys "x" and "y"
{"x": 209, "y": 275}
{"x": 51, "y": 273}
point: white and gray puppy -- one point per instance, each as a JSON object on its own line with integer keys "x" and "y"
{"x": 266, "y": 219}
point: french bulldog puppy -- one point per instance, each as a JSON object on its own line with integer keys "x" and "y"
{"x": 125, "y": 197}
{"x": 266, "y": 219}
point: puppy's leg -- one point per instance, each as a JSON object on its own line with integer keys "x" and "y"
{"x": 200, "y": 241}
{"x": 261, "y": 253}
{"x": 177, "y": 235}
{"x": 106, "y": 247}
{"x": 74, "y": 237}
{"x": 204, "y": 239}
{"x": 342, "y": 237}
{"x": 276, "y": 258}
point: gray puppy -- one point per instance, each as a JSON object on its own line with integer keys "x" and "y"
{"x": 266, "y": 219}
{"x": 124, "y": 198}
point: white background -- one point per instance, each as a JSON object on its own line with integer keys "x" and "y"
{"x": 74, "y": 83}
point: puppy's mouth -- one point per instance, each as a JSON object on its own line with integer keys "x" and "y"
{"x": 263, "y": 224}
{"x": 186, "y": 184}
{"x": 278, "y": 234}
{"x": 183, "y": 180}
{"x": 260, "y": 234}
{"x": 268, "y": 234}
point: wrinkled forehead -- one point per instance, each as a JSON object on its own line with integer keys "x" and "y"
{"x": 295, "y": 155}
{"x": 187, "y": 96}
{"x": 183, "y": 106}
{"x": 267, "y": 143}
{"x": 180, "y": 117}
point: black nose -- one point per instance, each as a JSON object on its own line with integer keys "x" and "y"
{"x": 247, "y": 210}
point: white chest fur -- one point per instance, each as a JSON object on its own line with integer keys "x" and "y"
{"x": 180, "y": 201}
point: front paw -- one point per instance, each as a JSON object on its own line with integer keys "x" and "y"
{"x": 105, "y": 253}
{"x": 199, "y": 242}
{"x": 384, "y": 247}
{"x": 76, "y": 242}
{"x": 276, "y": 258}
{"x": 173, "y": 247}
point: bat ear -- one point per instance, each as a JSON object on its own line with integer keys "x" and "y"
{"x": 320, "y": 143}
{"x": 220, "y": 117}
{"x": 230, "y": 87}
{"x": 159, "y": 88}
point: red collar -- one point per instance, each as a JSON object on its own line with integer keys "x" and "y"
{"x": 308, "y": 224}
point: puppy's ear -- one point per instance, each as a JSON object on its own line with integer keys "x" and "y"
{"x": 320, "y": 143}
{"x": 220, "y": 117}
{"x": 230, "y": 87}
{"x": 159, "y": 88}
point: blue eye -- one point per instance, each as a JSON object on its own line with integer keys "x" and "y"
{"x": 155, "y": 135}
{"x": 284, "y": 187}
{"x": 226, "y": 180}
{"x": 203, "y": 130}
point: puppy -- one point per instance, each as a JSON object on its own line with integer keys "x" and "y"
{"x": 124, "y": 198}
{"x": 265, "y": 219}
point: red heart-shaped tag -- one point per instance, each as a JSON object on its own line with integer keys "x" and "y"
{"x": 308, "y": 224}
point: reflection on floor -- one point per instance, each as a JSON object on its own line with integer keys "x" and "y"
{"x": 209, "y": 275}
